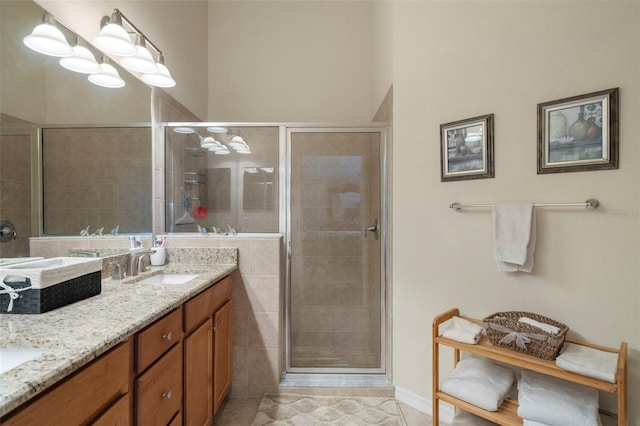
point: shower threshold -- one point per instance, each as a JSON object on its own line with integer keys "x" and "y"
{"x": 329, "y": 380}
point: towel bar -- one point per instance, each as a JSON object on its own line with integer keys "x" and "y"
{"x": 591, "y": 203}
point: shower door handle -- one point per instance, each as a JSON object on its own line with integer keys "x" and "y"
{"x": 373, "y": 228}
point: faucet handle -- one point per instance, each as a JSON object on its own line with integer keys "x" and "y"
{"x": 119, "y": 270}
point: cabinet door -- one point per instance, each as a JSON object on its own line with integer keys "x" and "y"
{"x": 222, "y": 347}
{"x": 198, "y": 375}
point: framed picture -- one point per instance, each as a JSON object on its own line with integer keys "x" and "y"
{"x": 466, "y": 149}
{"x": 579, "y": 133}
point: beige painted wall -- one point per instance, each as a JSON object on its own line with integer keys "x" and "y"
{"x": 178, "y": 28}
{"x": 382, "y": 52}
{"x": 304, "y": 61}
{"x": 454, "y": 60}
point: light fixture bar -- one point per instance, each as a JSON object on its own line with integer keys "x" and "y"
{"x": 137, "y": 31}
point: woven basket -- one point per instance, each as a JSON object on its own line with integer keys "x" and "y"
{"x": 503, "y": 329}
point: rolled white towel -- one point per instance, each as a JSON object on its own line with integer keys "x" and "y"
{"x": 589, "y": 362}
{"x": 464, "y": 418}
{"x": 479, "y": 382}
{"x": 556, "y": 402}
{"x": 549, "y": 328}
{"x": 462, "y": 330}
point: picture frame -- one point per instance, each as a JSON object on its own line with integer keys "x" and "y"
{"x": 579, "y": 133}
{"x": 466, "y": 149}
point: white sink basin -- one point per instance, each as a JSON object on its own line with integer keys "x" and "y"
{"x": 11, "y": 358}
{"x": 170, "y": 279}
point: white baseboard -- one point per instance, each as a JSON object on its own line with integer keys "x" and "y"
{"x": 423, "y": 404}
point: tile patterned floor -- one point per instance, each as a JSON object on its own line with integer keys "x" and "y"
{"x": 241, "y": 412}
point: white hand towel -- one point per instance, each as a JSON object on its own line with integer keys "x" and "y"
{"x": 549, "y": 328}
{"x": 479, "y": 382}
{"x": 463, "y": 331}
{"x": 556, "y": 402}
{"x": 589, "y": 362}
{"x": 514, "y": 233}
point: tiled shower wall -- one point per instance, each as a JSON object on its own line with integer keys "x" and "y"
{"x": 97, "y": 177}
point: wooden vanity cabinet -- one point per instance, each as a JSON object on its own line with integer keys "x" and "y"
{"x": 207, "y": 352}
{"x": 95, "y": 394}
{"x": 177, "y": 369}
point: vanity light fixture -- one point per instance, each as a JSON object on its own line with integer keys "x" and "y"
{"x": 184, "y": 130}
{"x": 143, "y": 61}
{"x": 107, "y": 77}
{"x": 160, "y": 78}
{"x": 47, "y": 39}
{"x": 208, "y": 142}
{"x": 217, "y": 129}
{"x": 113, "y": 38}
{"x": 82, "y": 60}
{"x": 239, "y": 145}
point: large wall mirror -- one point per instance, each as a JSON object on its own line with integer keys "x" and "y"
{"x": 94, "y": 165}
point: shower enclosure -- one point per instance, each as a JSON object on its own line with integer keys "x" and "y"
{"x": 321, "y": 187}
{"x": 336, "y": 316}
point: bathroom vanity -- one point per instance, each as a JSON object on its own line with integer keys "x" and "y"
{"x": 125, "y": 356}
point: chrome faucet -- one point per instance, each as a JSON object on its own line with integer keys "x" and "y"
{"x": 136, "y": 259}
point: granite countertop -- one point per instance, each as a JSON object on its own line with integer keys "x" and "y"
{"x": 75, "y": 334}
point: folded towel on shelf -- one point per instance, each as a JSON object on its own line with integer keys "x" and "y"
{"x": 462, "y": 330}
{"x": 464, "y": 418}
{"x": 527, "y": 422}
{"x": 549, "y": 328}
{"x": 514, "y": 236}
{"x": 479, "y": 382}
{"x": 588, "y": 361}
{"x": 556, "y": 402}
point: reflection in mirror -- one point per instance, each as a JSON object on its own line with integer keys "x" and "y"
{"x": 258, "y": 191}
{"x": 36, "y": 93}
{"x": 98, "y": 178}
{"x": 207, "y": 183}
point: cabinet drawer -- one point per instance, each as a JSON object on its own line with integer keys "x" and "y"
{"x": 119, "y": 414}
{"x": 206, "y": 303}
{"x": 84, "y": 395}
{"x": 159, "y": 390}
{"x": 156, "y": 339}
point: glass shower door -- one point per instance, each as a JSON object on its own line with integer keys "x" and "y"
{"x": 336, "y": 298}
